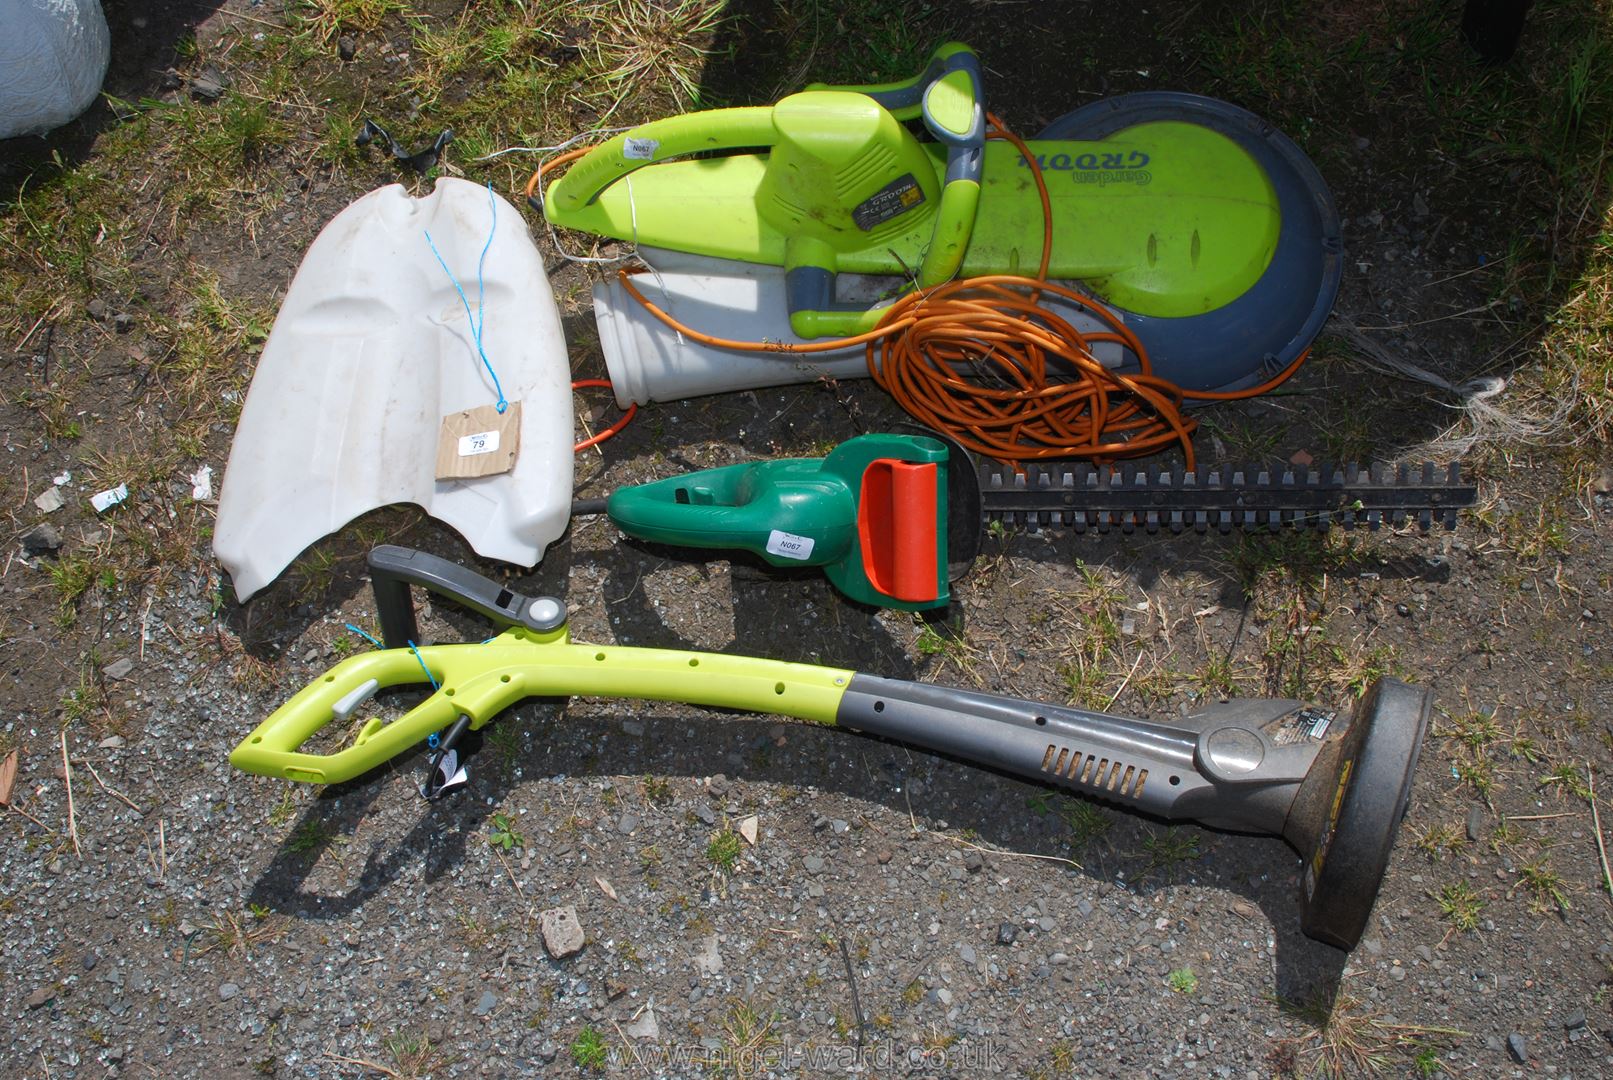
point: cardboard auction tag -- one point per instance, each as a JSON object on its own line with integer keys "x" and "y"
{"x": 479, "y": 442}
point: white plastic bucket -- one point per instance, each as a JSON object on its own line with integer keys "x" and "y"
{"x": 649, "y": 361}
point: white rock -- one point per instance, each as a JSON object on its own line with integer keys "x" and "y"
{"x": 708, "y": 961}
{"x": 562, "y": 933}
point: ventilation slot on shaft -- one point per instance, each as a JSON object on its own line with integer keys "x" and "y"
{"x": 1104, "y": 776}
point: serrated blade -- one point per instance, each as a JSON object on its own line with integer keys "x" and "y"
{"x": 1084, "y": 497}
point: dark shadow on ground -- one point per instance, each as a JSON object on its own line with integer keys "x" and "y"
{"x": 1263, "y": 871}
{"x": 1463, "y": 223}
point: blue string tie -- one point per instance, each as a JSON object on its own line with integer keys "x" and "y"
{"x": 479, "y": 317}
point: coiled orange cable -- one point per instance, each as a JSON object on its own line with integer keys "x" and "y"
{"x": 982, "y": 361}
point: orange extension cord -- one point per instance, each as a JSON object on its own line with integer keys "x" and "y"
{"x": 972, "y": 358}
{"x": 595, "y": 440}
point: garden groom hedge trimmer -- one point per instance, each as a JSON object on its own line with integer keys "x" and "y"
{"x": 894, "y": 519}
{"x": 1334, "y": 788}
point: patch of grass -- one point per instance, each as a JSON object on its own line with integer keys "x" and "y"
{"x": 940, "y": 642}
{"x": 1437, "y": 841}
{"x": 589, "y": 1050}
{"x": 504, "y": 741}
{"x": 237, "y": 934}
{"x": 84, "y": 700}
{"x": 72, "y": 576}
{"x": 1546, "y": 886}
{"x": 722, "y": 851}
{"x": 413, "y": 1057}
{"x": 1568, "y": 780}
{"x": 325, "y": 19}
{"x": 658, "y": 789}
{"x": 1182, "y": 981}
{"x": 1460, "y": 906}
{"x": 313, "y": 835}
{"x": 1349, "y": 1038}
{"x": 1169, "y": 848}
{"x": 748, "y": 1033}
{"x": 655, "y": 42}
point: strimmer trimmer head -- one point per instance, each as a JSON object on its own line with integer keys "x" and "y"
{"x": 1334, "y": 789}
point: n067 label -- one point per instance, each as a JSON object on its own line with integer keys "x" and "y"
{"x": 789, "y": 545}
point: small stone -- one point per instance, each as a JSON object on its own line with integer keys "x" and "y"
{"x": 123, "y": 322}
{"x": 42, "y": 539}
{"x": 1574, "y": 1020}
{"x": 966, "y": 953}
{"x": 1475, "y": 822}
{"x": 973, "y": 862}
{"x": 627, "y": 824}
{"x": 486, "y": 1003}
{"x": 944, "y": 996}
{"x": 562, "y": 933}
{"x": 749, "y": 827}
{"x": 40, "y": 997}
{"x": 708, "y": 961}
{"x": 112, "y": 742}
{"x": 1402, "y": 610}
{"x": 1518, "y": 1048}
{"x": 205, "y": 89}
{"x": 1046, "y": 924}
{"x": 704, "y": 814}
{"x": 346, "y": 48}
{"x": 118, "y": 669}
{"x": 1425, "y": 953}
{"x": 718, "y": 784}
{"x": 227, "y": 990}
{"x": 98, "y": 310}
{"x": 1301, "y": 458}
{"x": 839, "y": 827}
{"x": 1084, "y": 907}
{"x": 1007, "y": 933}
{"x": 884, "y": 856}
{"x": 813, "y": 863}
{"x": 645, "y": 1027}
{"x": 90, "y": 960}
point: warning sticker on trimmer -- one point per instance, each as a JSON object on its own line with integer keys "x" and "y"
{"x": 896, "y": 197}
{"x": 789, "y": 545}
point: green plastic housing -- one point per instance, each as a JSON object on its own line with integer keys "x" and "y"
{"x": 1165, "y": 219}
{"x": 875, "y": 524}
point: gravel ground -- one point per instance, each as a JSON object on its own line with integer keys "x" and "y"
{"x": 767, "y": 898}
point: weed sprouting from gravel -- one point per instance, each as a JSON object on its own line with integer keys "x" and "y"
{"x": 722, "y": 851}
{"x": 1546, "y": 886}
{"x": 1460, "y": 906}
{"x": 1168, "y": 849}
{"x": 589, "y": 1050}
{"x": 238, "y": 933}
{"x": 1182, "y": 981}
{"x": 747, "y": 1033}
{"x": 1437, "y": 841}
{"x": 1349, "y": 1038}
{"x": 311, "y": 836}
{"x": 502, "y": 833}
{"x": 1568, "y": 780}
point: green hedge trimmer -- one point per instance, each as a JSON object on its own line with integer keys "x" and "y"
{"x": 1334, "y": 787}
{"x": 894, "y": 519}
